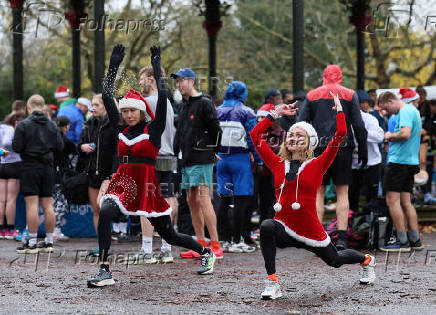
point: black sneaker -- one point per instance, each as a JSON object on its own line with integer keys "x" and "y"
{"x": 127, "y": 238}
{"x": 26, "y": 249}
{"x": 416, "y": 245}
{"x": 45, "y": 247}
{"x": 341, "y": 244}
{"x": 102, "y": 279}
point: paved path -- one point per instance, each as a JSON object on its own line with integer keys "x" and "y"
{"x": 405, "y": 285}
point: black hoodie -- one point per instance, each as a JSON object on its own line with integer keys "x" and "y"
{"x": 36, "y": 138}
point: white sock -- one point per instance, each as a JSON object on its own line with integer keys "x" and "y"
{"x": 32, "y": 239}
{"x": 147, "y": 244}
{"x": 49, "y": 238}
{"x": 165, "y": 247}
{"x": 123, "y": 227}
{"x": 116, "y": 227}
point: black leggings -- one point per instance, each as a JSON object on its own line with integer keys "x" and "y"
{"x": 240, "y": 212}
{"x": 109, "y": 211}
{"x": 273, "y": 234}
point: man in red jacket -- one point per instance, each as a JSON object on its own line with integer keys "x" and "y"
{"x": 316, "y": 109}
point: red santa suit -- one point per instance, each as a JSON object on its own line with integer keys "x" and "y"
{"x": 302, "y": 224}
{"x": 135, "y": 187}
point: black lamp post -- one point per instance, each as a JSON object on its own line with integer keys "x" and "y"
{"x": 74, "y": 17}
{"x": 99, "y": 49}
{"x": 17, "y": 29}
{"x": 360, "y": 18}
{"x": 298, "y": 45}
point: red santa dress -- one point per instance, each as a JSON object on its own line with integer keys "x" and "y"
{"x": 135, "y": 187}
{"x": 302, "y": 224}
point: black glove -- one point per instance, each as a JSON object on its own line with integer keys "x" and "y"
{"x": 117, "y": 55}
{"x": 156, "y": 62}
{"x": 362, "y": 156}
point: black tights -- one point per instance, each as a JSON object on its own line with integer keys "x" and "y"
{"x": 240, "y": 212}
{"x": 109, "y": 211}
{"x": 273, "y": 234}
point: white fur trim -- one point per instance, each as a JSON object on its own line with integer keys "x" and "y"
{"x": 115, "y": 199}
{"x": 410, "y": 99}
{"x": 61, "y": 94}
{"x": 132, "y": 103}
{"x": 263, "y": 113}
{"x": 305, "y": 240}
{"x": 135, "y": 140}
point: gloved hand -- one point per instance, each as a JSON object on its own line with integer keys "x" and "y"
{"x": 117, "y": 55}
{"x": 156, "y": 62}
{"x": 362, "y": 156}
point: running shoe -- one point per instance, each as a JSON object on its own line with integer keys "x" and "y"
{"x": 367, "y": 272}
{"x": 397, "y": 247}
{"x": 59, "y": 236}
{"x": 272, "y": 290}
{"x": 206, "y": 264}
{"x": 416, "y": 245}
{"x": 26, "y": 249}
{"x": 21, "y": 237}
{"x": 45, "y": 247}
{"x": 225, "y": 246}
{"x": 102, "y": 279}
{"x": 94, "y": 252}
{"x": 10, "y": 234}
{"x": 115, "y": 236}
{"x": 189, "y": 254}
{"x": 241, "y": 247}
{"x": 2, "y": 233}
{"x": 218, "y": 252}
{"x": 165, "y": 257}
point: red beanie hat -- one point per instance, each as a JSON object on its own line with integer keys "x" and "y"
{"x": 134, "y": 99}
{"x": 265, "y": 110}
{"x": 408, "y": 95}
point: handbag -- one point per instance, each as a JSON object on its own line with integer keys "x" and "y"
{"x": 75, "y": 187}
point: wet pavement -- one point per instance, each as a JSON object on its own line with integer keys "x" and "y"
{"x": 56, "y": 284}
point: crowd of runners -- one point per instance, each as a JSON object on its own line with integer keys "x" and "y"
{"x": 149, "y": 160}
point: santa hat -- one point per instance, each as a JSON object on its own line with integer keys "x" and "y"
{"x": 265, "y": 110}
{"x": 408, "y": 95}
{"x": 311, "y": 132}
{"x": 134, "y": 99}
{"x": 62, "y": 91}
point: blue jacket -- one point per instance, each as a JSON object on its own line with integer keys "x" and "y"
{"x": 76, "y": 118}
{"x": 236, "y": 121}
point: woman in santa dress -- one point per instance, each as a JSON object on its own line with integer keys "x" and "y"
{"x": 297, "y": 177}
{"x": 134, "y": 189}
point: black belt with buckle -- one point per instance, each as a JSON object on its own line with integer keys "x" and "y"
{"x": 127, "y": 159}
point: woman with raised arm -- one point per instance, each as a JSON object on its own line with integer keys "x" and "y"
{"x": 297, "y": 177}
{"x": 134, "y": 189}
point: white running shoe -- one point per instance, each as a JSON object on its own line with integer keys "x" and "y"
{"x": 367, "y": 273}
{"x": 241, "y": 247}
{"x": 234, "y": 248}
{"x": 272, "y": 290}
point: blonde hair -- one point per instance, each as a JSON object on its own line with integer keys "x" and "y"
{"x": 36, "y": 101}
{"x": 149, "y": 72}
{"x": 285, "y": 155}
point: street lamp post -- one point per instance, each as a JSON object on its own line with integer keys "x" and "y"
{"x": 298, "y": 45}
{"x": 17, "y": 30}
{"x": 74, "y": 17}
{"x": 99, "y": 49}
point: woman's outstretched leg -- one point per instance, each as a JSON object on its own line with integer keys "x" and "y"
{"x": 164, "y": 227}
